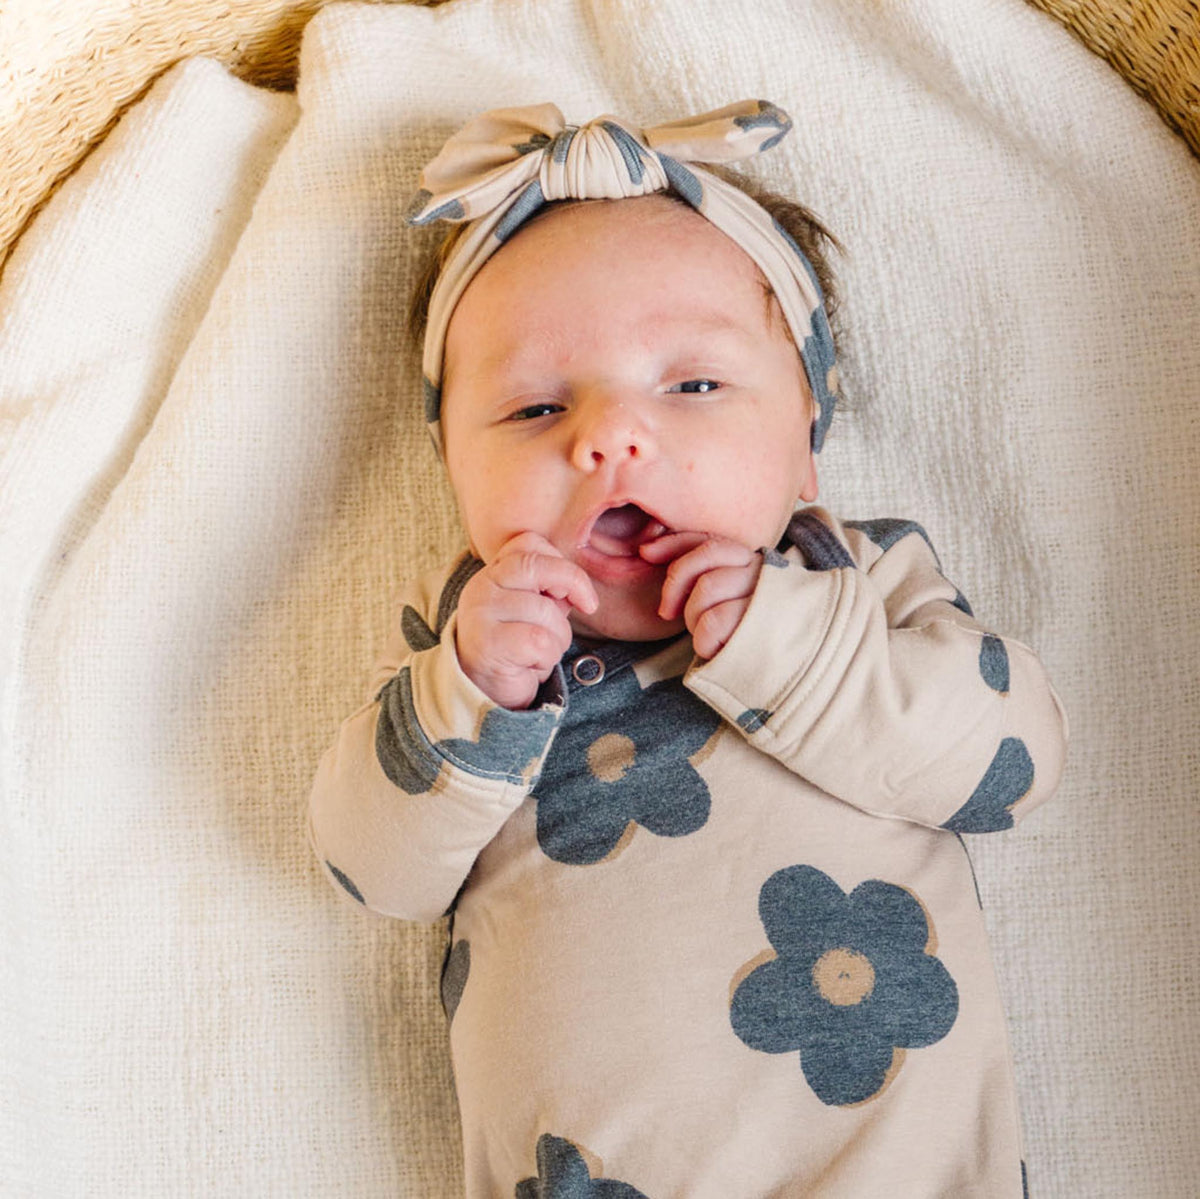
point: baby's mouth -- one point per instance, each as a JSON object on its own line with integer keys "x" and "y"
{"x": 617, "y": 532}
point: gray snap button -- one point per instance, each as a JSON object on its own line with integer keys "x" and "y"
{"x": 588, "y": 670}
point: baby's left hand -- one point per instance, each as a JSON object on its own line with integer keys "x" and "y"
{"x": 710, "y": 582}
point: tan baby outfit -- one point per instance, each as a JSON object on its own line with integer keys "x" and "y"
{"x": 715, "y": 931}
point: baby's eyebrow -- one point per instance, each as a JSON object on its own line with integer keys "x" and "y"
{"x": 695, "y": 335}
{"x": 703, "y": 322}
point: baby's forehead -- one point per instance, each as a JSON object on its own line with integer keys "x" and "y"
{"x": 668, "y": 236}
{"x": 668, "y": 229}
{"x": 632, "y": 251}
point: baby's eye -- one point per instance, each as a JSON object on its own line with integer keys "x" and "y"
{"x": 696, "y": 386}
{"x": 533, "y": 411}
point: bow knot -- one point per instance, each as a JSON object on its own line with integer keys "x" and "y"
{"x": 496, "y": 155}
{"x": 599, "y": 160}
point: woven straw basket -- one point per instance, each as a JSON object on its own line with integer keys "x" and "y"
{"x": 68, "y": 68}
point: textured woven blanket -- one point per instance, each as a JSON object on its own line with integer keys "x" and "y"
{"x": 215, "y": 476}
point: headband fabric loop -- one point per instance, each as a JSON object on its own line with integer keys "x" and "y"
{"x": 504, "y": 165}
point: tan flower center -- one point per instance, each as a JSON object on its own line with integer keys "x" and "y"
{"x": 609, "y": 756}
{"x": 843, "y": 977}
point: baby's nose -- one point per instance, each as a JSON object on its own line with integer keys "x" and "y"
{"x": 612, "y": 432}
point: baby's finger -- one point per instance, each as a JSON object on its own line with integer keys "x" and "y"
{"x": 668, "y": 549}
{"x": 530, "y": 646}
{"x": 671, "y": 546}
{"x": 526, "y": 569}
{"x": 529, "y": 540}
{"x": 720, "y": 586}
{"x": 514, "y": 606}
{"x": 684, "y": 571}
{"x": 716, "y": 625}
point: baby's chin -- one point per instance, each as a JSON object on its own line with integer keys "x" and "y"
{"x": 629, "y": 624}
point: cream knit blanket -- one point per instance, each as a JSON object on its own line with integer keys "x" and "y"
{"x": 215, "y": 474}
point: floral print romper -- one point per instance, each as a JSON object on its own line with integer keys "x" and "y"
{"x": 715, "y": 932}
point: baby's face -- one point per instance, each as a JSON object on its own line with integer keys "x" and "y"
{"x": 613, "y": 374}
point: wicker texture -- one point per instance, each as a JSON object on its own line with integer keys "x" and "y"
{"x": 68, "y": 68}
{"x": 1155, "y": 44}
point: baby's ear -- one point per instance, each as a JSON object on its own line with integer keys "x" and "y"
{"x": 808, "y": 481}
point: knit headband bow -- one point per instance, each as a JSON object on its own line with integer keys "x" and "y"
{"x": 504, "y": 165}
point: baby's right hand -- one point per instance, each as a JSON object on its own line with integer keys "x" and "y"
{"x": 512, "y": 618}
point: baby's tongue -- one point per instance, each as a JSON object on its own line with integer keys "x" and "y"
{"x": 621, "y": 524}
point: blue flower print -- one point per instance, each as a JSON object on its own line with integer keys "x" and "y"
{"x": 886, "y": 531}
{"x": 432, "y": 396}
{"x": 753, "y": 719}
{"x": 417, "y": 633}
{"x": 1008, "y": 780}
{"x": 631, "y": 152}
{"x": 539, "y": 141}
{"x": 563, "y": 1174}
{"x": 773, "y": 118}
{"x": 524, "y": 206}
{"x": 347, "y": 883}
{"x": 817, "y": 542}
{"x": 993, "y": 663}
{"x": 683, "y": 182}
{"x": 455, "y": 969}
{"x": 509, "y": 742}
{"x": 626, "y": 761}
{"x": 415, "y": 214}
{"x": 416, "y": 629}
{"x": 852, "y": 982}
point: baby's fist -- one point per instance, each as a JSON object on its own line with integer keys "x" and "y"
{"x": 513, "y": 625}
{"x": 709, "y": 583}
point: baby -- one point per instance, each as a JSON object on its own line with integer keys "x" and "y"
{"x": 687, "y": 760}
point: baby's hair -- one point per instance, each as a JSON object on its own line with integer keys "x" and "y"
{"x": 801, "y": 225}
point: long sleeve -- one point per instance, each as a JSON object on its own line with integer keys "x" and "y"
{"x": 862, "y": 669}
{"x": 426, "y": 772}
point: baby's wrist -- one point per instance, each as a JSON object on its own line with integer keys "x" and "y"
{"x": 507, "y": 691}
